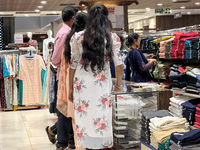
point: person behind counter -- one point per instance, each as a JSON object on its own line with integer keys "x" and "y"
{"x": 137, "y": 65}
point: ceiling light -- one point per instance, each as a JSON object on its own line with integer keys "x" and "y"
{"x": 197, "y": 3}
{"x": 183, "y": 7}
{"x": 43, "y": 2}
{"x": 133, "y": 20}
{"x": 1, "y": 12}
{"x": 146, "y": 17}
{"x": 147, "y": 9}
{"x": 174, "y": 0}
{"x": 159, "y": 4}
{"x": 188, "y": 13}
{"x": 40, "y": 7}
{"x": 26, "y": 15}
{"x": 54, "y": 12}
{"x": 37, "y": 10}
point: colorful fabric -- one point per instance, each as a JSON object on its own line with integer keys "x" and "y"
{"x": 30, "y": 74}
{"x": 93, "y": 112}
{"x": 34, "y": 44}
{"x": 5, "y": 69}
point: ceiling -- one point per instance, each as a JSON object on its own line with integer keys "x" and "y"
{"x": 53, "y": 7}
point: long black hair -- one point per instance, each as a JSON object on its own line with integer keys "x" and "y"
{"x": 97, "y": 41}
{"x": 78, "y": 25}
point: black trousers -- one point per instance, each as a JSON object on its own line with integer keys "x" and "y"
{"x": 63, "y": 128}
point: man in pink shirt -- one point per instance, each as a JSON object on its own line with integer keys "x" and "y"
{"x": 63, "y": 127}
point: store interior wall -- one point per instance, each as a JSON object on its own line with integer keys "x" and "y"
{"x": 168, "y": 22}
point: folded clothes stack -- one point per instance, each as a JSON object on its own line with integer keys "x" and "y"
{"x": 164, "y": 146}
{"x": 175, "y": 107}
{"x": 165, "y": 124}
{"x": 179, "y": 80}
{"x": 196, "y": 48}
{"x": 189, "y": 110}
{"x": 197, "y": 117}
{"x": 185, "y": 140}
{"x": 161, "y": 136}
{"x": 188, "y": 49}
{"x": 193, "y": 86}
{"x": 168, "y": 49}
{"x": 146, "y": 116}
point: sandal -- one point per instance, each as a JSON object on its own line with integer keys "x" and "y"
{"x": 52, "y": 138}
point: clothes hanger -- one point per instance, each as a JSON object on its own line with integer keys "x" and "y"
{"x": 29, "y": 55}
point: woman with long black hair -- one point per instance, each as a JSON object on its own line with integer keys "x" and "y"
{"x": 90, "y": 80}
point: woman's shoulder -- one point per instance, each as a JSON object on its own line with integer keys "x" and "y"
{"x": 115, "y": 38}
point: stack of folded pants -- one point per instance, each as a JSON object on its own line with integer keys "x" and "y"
{"x": 192, "y": 81}
{"x": 196, "y": 48}
{"x": 179, "y": 80}
{"x": 189, "y": 110}
{"x": 185, "y": 141}
{"x": 175, "y": 107}
{"x": 146, "y": 116}
{"x": 188, "y": 49}
{"x": 162, "y": 135}
{"x": 178, "y": 48}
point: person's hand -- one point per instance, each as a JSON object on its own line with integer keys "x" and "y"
{"x": 150, "y": 56}
{"x": 117, "y": 88}
{"x": 70, "y": 97}
{"x": 152, "y": 61}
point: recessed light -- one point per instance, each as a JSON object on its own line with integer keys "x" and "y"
{"x": 37, "y": 10}
{"x": 174, "y": 0}
{"x": 146, "y": 17}
{"x": 43, "y": 2}
{"x": 133, "y": 20}
{"x": 26, "y": 15}
{"x": 54, "y": 12}
{"x": 183, "y": 7}
{"x": 1, "y": 12}
{"x": 159, "y": 4}
{"x": 197, "y": 3}
{"x": 40, "y": 7}
{"x": 147, "y": 9}
{"x": 188, "y": 13}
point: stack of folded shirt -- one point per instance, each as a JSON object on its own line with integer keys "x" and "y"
{"x": 162, "y": 70}
{"x": 168, "y": 49}
{"x": 196, "y": 48}
{"x": 189, "y": 110}
{"x": 164, "y": 46}
{"x": 146, "y": 116}
{"x": 175, "y": 107}
{"x": 179, "y": 80}
{"x": 174, "y": 69}
{"x": 193, "y": 86}
{"x": 188, "y": 49}
{"x": 185, "y": 141}
{"x": 164, "y": 146}
{"x": 162, "y": 135}
{"x": 197, "y": 117}
{"x": 178, "y": 49}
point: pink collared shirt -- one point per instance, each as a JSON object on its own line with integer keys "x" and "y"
{"x": 59, "y": 45}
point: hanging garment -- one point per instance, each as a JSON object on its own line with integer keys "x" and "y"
{"x": 93, "y": 112}
{"x": 34, "y": 44}
{"x": 5, "y": 69}
{"x": 8, "y": 92}
{"x": 30, "y": 74}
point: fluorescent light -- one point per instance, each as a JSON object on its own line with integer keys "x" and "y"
{"x": 159, "y": 4}
{"x": 54, "y": 12}
{"x": 37, "y": 10}
{"x": 188, "y": 13}
{"x": 197, "y": 3}
{"x": 147, "y": 9}
{"x": 43, "y": 2}
{"x": 133, "y": 20}
{"x": 146, "y": 17}
{"x": 40, "y": 7}
{"x": 1, "y": 12}
{"x": 26, "y": 15}
{"x": 174, "y": 0}
{"x": 183, "y": 7}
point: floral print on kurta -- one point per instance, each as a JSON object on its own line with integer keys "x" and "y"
{"x": 92, "y": 104}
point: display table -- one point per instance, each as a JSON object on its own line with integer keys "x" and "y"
{"x": 127, "y": 109}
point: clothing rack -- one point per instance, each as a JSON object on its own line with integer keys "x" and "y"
{"x": 10, "y": 52}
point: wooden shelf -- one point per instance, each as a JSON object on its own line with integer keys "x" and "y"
{"x": 180, "y": 91}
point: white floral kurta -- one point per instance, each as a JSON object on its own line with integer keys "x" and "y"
{"x": 93, "y": 108}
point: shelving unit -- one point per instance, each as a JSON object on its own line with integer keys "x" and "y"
{"x": 127, "y": 129}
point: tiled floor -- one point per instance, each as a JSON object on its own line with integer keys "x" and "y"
{"x": 25, "y": 130}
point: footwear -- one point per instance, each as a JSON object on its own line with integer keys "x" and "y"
{"x": 65, "y": 148}
{"x": 52, "y": 138}
{"x": 72, "y": 146}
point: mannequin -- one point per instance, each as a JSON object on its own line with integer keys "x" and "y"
{"x": 32, "y": 42}
{"x": 45, "y": 45}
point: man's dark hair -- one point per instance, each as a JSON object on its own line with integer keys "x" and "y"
{"x": 68, "y": 13}
{"x": 26, "y": 39}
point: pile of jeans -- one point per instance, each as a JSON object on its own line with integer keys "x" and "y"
{"x": 185, "y": 141}
{"x": 189, "y": 110}
{"x": 146, "y": 116}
